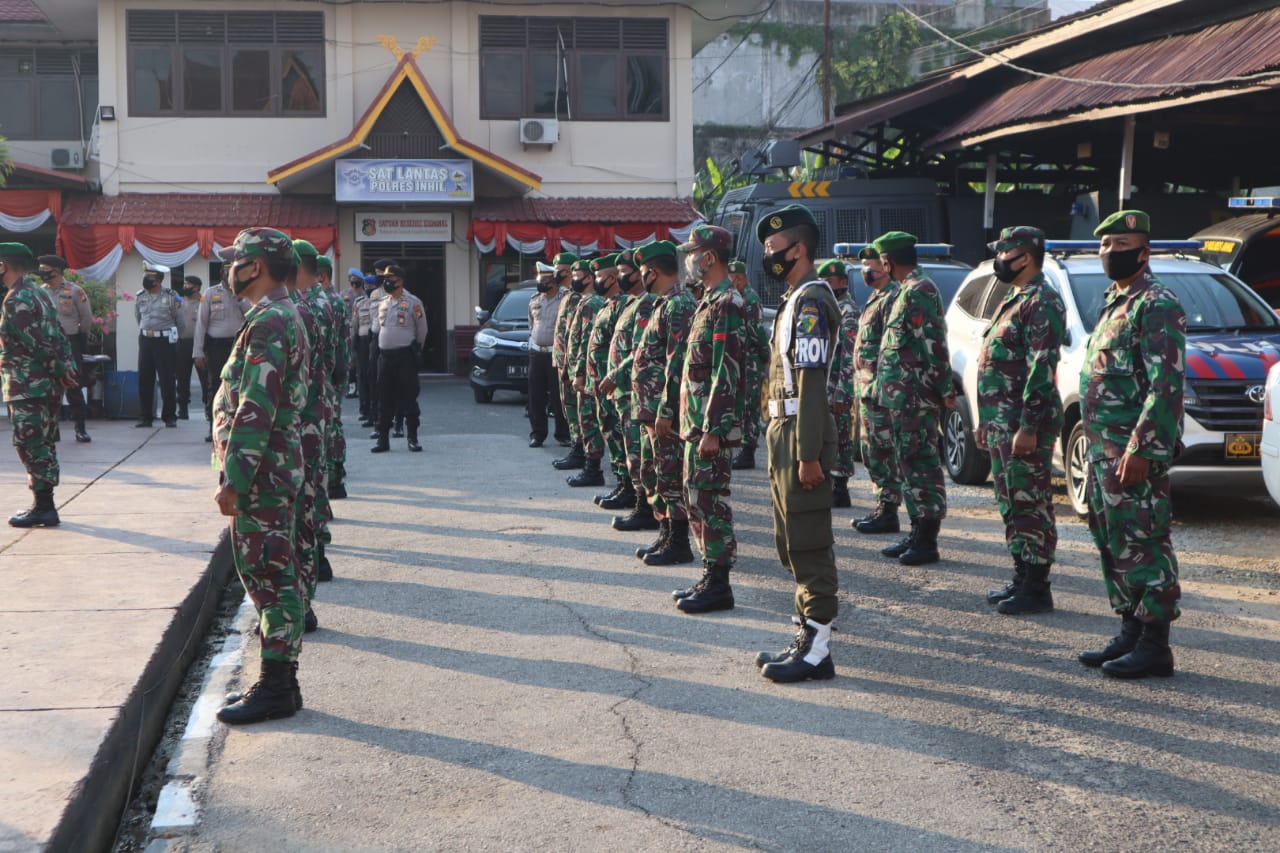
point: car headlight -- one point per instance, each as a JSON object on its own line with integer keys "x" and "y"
{"x": 486, "y": 339}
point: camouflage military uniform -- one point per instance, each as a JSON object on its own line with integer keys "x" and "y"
{"x": 879, "y": 445}
{"x": 632, "y": 321}
{"x": 1016, "y": 391}
{"x": 256, "y": 423}
{"x": 597, "y": 358}
{"x": 913, "y": 377}
{"x": 712, "y": 396}
{"x": 314, "y": 415}
{"x": 560, "y": 361}
{"x": 328, "y": 314}
{"x": 757, "y": 365}
{"x": 576, "y": 365}
{"x": 840, "y": 385}
{"x": 336, "y": 445}
{"x": 35, "y": 355}
{"x": 1132, "y": 386}
{"x": 659, "y": 363}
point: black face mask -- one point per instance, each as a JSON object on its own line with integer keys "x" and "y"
{"x": 191, "y": 290}
{"x": 626, "y": 282}
{"x": 1003, "y": 268}
{"x": 543, "y": 286}
{"x": 869, "y": 277}
{"x": 238, "y": 285}
{"x": 602, "y": 286}
{"x": 578, "y": 285}
{"x": 560, "y": 276}
{"x": 47, "y": 275}
{"x": 391, "y": 286}
{"x": 650, "y": 281}
{"x": 150, "y": 283}
{"x": 1122, "y": 265}
{"x": 775, "y": 267}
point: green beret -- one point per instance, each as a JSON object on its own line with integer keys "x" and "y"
{"x": 305, "y": 249}
{"x": 1018, "y": 236}
{"x": 605, "y": 262}
{"x": 581, "y": 265}
{"x": 1124, "y": 222}
{"x": 831, "y": 268}
{"x": 708, "y": 237}
{"x": 780, "y": 220}
{"x": 656, "y": 249}
{"x": 627, "y": 257}
{"x": 264, "y": 243}
{"x": 325, "y": 262}
{"x": 17, "y": 250}
{"x": 736, "y": 265}
{"x": 893, "y": 240}
{"x": 868, "y": 253}
{"x": 566, "y": 258}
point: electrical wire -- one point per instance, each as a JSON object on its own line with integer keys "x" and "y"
{"x": 1088, "y": 81}
{"x": 741, "y": 42}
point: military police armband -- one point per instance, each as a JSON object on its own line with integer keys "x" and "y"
{"x": 812, "y": 343}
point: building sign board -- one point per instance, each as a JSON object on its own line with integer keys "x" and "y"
{"x": 404, "y": 227}
{"x": 404, "y": 180}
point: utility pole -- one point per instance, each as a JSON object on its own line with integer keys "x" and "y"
{"x": 826, "y": 60}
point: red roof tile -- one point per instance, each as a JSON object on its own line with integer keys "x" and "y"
{"x": 21, "y": 11}
{"x": 206, "y": 210}
{"x": 665, "y": 211}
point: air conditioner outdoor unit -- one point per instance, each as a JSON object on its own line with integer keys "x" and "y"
{"x": 66, "y": 158}
{"x": 539, "y": 131}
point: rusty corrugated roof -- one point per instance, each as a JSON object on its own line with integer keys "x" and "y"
{"x": 1236, "y": 48}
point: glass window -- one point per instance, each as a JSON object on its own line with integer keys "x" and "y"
{"x": 514, "y": 307}
{"x": 502, "y": 84}
{"x": 152, "y": 80}
{"x": 251, "y": 80}
{"x": 17, "y": 120}
{"x": 202, "y": 80}
{"x": 89, "y": 101}
{"x": 59, "y": 115}
{"x": 302, "y": 80}
{"x": 646, "y": 86}
{"x": 948, "y": 280}
{"x": 1212, "y": 302}
{"x": 598, "y": 85}
{"x": 970, "y": 297}
{"x": 547, "y": 81}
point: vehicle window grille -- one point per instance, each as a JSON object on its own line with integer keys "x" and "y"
{"x": 913, "y": 220}
{"x": 852, "y": 226}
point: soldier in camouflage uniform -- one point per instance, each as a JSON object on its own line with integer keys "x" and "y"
{"x": 619, "y": 382}
{"x": 659, "y": 360}
{"x": 336, "y": 451}
{"x": 573, "y": 285}
{"x": 589, "y": 431}
{"x": 1132, "y": 386}
{"x": 913, "y": 381}
{"x": 36, "y": 367}
{"x": 840, "y": 387}
{"x": 802, "y": 442}
{"x": 879, "y": 447}
{"x": 712, "y": 396}
{"x": 1020, "y": 415}
{"x": 256, "y": 422}
{"x": 599, "y": 341}
{"x": 757, "y": 365}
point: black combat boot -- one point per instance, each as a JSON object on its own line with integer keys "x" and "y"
{"x": 208, "y": 434}
{"x": 664, "y": 533}
{"x": 384, "y": 443}
{"x": 310, "y": 624}
{"x": 82, "y": 435}
{"x": 337, "y": 490}
{"x": 811, "y": 658}
{"x": 43, "y": 511}
{"x": 571, "y": 461}
{"x": 269, "y": 699}
{"x": 675, "y": 552}
{"x": 609, "y": 495}
{"x": 882, "y": 519}
{"x": 1152, "y": 655}
{"x": 995, "y": 596}
{"x": 233, "y": 698}
{"x": 183, "y": 412}
{"x": 641, "y": 517}
{"x": 840, "y": 492}
{"x": 1120, "y": 645}
{"x": 1032, "y": 594}
{"x": 413, "y": 440}
{"x": 763, "y": 658}
{"x": 397, "y": 428}
{"x": 745, "y": 459}
{"x": 904, "y": 544}
{"x": 924, "y": 549}
{"x": 324, "y": 571}
{"x": 590, "y": 475}
{"x": 625, "y": 498}
{"x": 712, "y": 592}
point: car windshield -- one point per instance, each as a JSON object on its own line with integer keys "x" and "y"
{"x": 948, "y": 279}
{"x": 1213, "y": 301}
{"x": 514, "y": 307}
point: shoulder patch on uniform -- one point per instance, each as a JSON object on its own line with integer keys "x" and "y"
{"x": 812, "y": 342}
{"x": 417, "y": 311}
{"x": 807, "y": 319}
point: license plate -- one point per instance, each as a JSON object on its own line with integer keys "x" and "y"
{"x": 517, "y": 371}
{"x": 1242, "y": 445}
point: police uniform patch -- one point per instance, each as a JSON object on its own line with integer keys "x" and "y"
{"x": 812, "y": 343}
{"x": 417, "y": 311}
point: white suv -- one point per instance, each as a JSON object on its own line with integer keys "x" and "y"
{"x": 1233, "y": 338}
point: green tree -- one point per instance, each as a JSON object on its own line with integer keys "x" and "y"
{"x": 883, "y": 65}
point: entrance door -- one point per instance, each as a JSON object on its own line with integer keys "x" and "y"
{"x": 423, "y": 277}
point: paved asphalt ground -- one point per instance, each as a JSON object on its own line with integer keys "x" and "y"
{"x": 496, "y": 671}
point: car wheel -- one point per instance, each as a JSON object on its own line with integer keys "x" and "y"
{"x": 966, "y": 464}
{"x": 1077, "y": 456}
{"x": 482, "y": 395}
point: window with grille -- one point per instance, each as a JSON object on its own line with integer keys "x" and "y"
{"x": 583, "y": 69}
{"x": 48, "y": 92}
{"x": 225, "y": 63}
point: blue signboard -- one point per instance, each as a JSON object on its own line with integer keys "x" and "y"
{"x": 404, "y": 180}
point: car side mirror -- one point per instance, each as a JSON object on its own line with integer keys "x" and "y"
{"x": 482, "y": 316}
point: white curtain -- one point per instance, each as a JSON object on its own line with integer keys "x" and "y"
{"x": 104, "y": 270}
{"x": 681, "y": 235}
{"x": 532, "y": 247}
{"x": 23, "y": 224}
{"x": 168, "y": 259}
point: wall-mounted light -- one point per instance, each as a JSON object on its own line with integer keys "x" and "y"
{"x": 106, "y": 113}
{"x": 24, "y": 66}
